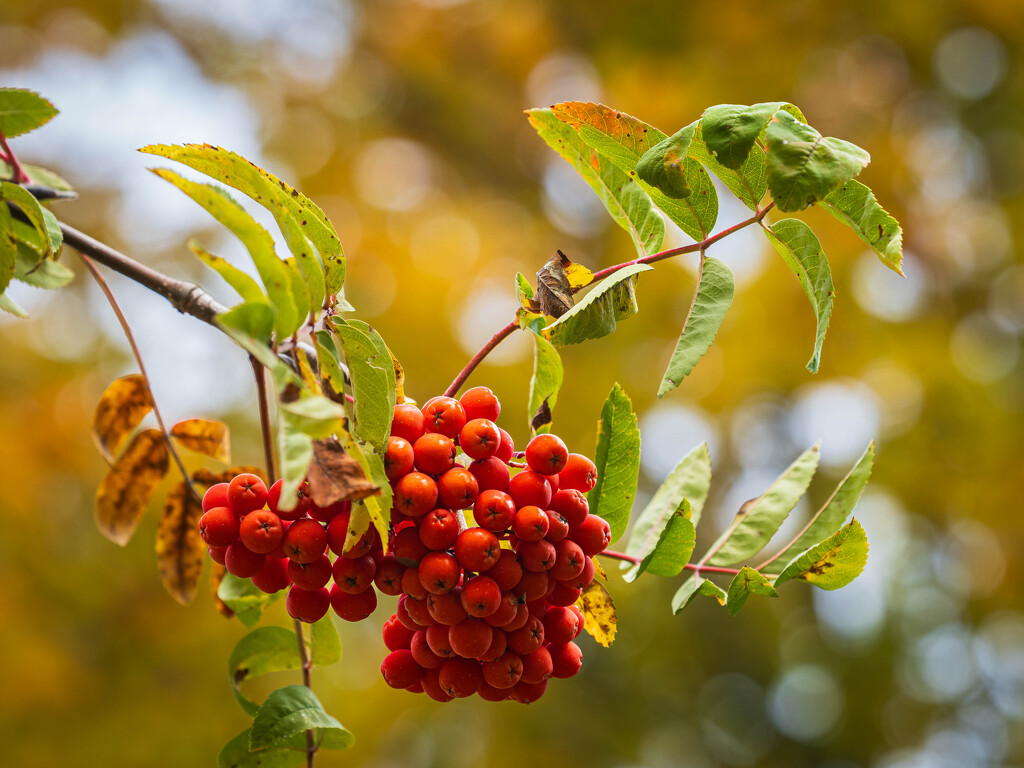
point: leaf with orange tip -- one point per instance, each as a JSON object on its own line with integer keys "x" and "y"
{"x": 210, "y": 438}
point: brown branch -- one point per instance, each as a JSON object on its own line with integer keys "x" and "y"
{"x": 259, "y": 373}
{"x": 307, "y": 665}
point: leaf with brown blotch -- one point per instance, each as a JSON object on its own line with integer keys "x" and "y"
{"x": 334, "y": 475}
{"x": 210, "y": 438}
{"x": 217, "y": 573}
{"x": 598, "y": 613}
{"x": 554, "y": 292}
{"x": 599, "y": 569}
{"x": 542, "y": 417}
{"x": 399, "y": 378}
{"x": 127, "y": 488}
{"x": 121, "y": 407}
{"x": 179, "y": 547}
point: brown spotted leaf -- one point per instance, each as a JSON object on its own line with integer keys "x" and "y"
{"x": 217, "y": 573}
{"x": 127, "y": 488}
{"x": 598, "y": 613}
{"x": 334, "y": 475}
{"x": 399, "y": 379}
{"x": 179, "y": 547}
{"x": 210, "y": 438}
{"x": 599, "y": 569}
{"x": 206, "y": 478}
{"x": 554, "y": 292}
{"x": 121, "y": 407}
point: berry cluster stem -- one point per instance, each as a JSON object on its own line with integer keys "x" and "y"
{"x": 259, "y": 374}
{"x": 307, "y": 665}
{"x": 689, "y": 566}
{"x": 485, "y": 350}
{"x": 8, "y": 156}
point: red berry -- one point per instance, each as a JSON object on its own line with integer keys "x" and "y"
{"x": 439, "y": 572}
{"x": 241, "y": 562}
{"x": 507, "y": 572}
{"x": 593, "y": 535}
{"x": 305, "y": 541}
{"x": 421, "y": 651}
{"x": 494, "y": 510}
{"x": 444, "y": 415}
{"x": 396, "y": 635}
{"x": 439, "y": 529}
{"x": 477, "y": 549}
{"x": 561, "y": 625}
{"x": 430, "y": 680}
{"x": 419, "y": 612}
{"x": 215, "y": 496}
{"x": 217, "y": 554}
{"x": 411, "y": 584}
{"x": 504, "y": 672}
{"x": 219, "y": 527}
{"x": 470, "y": 638}
{"x": 246, "y": 492}
{"x": 354, "y": 575}
{"x": 480, "y": 403}
{"x": 399, "y": 458}
{"x": 530, "y": 524}
{"x": 480, "y": 438}
{"x": 407, "y": 422}
{"x": 338, "y": 532}
{"x": 307, "y": 605}
{"x": 546, "y": 454}
{"x": 507, "y": 610}
{"x": 457, "y": 488}
{"x": 415, "y": 494}
{"x": 400, "y": 669}
{"x": 528, "y": 638}
{"x": 434, "y": 454}
{"x": 566, "y": 659}
{"x": 407, "y": 546}
{"x": 302, "y": 502}
{"x": 273, "y": 576}
{"x": 527, "y": 693}
{"x": 439, "y": 642}
{"x": 447, "y": 608}
{"x": 507, "y": 447}
{"x": 490, "y": 693}
{"x": 499, "y": 643}
{"x": 579, "y": 474}
{"x": 353, "y": 607}
{"x": 460, "y": 678}
{"x": 558, "y": 526}
{"x": 528, "y": 489}
{"x": 491, "y": 474}
{"x": 563, "y": 594}
{"x": 569, "y": 561}
{"x": 481, "y": 596}
{"x": 326, "y": 514}
{"x": 388, "y": 578}
{"x": 310, "y": 576}
{"x": 570, "y": 504}
{"x": 536, "y": 555}
{"x": 261, "y": 531}
{"x": 534, "y": 585}
{"x": 537, "y": 666}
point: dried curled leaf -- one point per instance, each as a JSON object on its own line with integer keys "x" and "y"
{"x": 206, "y": 478}
{"x": 179, "y": 547}
{"x": 554, "y": 293}
{"x": 334, "y": 475}
{"x": 121, "y": 407}
{"x": 210, "y": 438}
{"x": 598, "y": 613}
{"x": 127, "y": 488}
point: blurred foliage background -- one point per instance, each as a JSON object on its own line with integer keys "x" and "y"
{"x": 403, "y": 119}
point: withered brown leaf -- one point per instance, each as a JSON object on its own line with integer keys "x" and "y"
{"x": 120, "y": 409}
{"x": 334, "y": 475}
{"x": 179, "y": 547}
{"x": 127, "y": 488}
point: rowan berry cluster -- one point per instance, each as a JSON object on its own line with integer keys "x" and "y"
{"x": 488, "y": 608}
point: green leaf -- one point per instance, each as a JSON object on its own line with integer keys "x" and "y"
{"x": 22, "y": 111}
{"x": 617, "y": 459}
{"x": 242, "y": 597}
{"x": 687, "y": 483}
{"x": 265, "y": 649}
{"x": 524, "y": 291}
{"x": 759, "y": 519}
{"x": 833, "y": 563}
{"x": 276, "y": 196}
{"x": 325, "y": 643}
{"x": 749, "y": 182}
{"x": 250, "y": 325}
{"x": 711, "y": 300}
{"x": 696, "y": 586}
{"x": 629, "y": 205}
{"x": 834, "y": 512}
{"x": 8, "y": 251}
{"x": 731, "y": 130}
{"x": 8, "y": 305}
{"x": 624, "y": 140}
{"x": 803, "y": 166}
{"x": 800, "y": 249}
{"x": 40, "y": 272}
{"x": 672, "y": 551}
{"x": 373, "y": 380}
{"x": 328, "y": 362}
{"x": 547, "y": 373}
{"x": 244, "y": 285}
{"x": 304, "y": 259}
{"x": 288, "y": 711}
{"x": 747, "y": 582}
{"x": 236, "y": 754}
{"x": 664, "y": 165}
{"x": 44, "y": 222}
{"x": 855, "y": 205}
{"x": 39, "y": 176}
{"x": 598, "y": 314}
{"x": 288, "y": 313}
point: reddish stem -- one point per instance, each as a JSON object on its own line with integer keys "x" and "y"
{"x": 259, "y": 374}
{"x": 689, "y": 566}
{"x": 20, "y": 177}
{"x": 485, "y": 350}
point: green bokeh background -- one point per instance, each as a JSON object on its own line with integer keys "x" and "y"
{"x": 404, "y": 119}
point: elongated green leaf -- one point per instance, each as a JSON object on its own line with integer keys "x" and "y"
{"x": 8, "y": 305}
{"x": 803, "y": 166}
{"x": 598, "y": 314}
{"x": 664, "y": 165}
{"x": 22, "y": 111}
{"x": 328, "y": 362}
{"x": 547, "y": 373}
{"x": 8, "y": 249}
{"x": 305, "y": 260}
{"x": 32, "y": 269}
{"x": 236, "y": 754}
{"x": 711, "y": 300}
{"x": 746, "y": 583}
{"x": 624, "y": 140}
{"x": 749, "y": 182}
{"x": 244, "y": 285}
{"x": 324, "y": 642}
{"x": 265, "y": 649}
{"x": 373, "y": 380}
{"x": 730, "y": 130}
{"x": 524, "y": 291}
{"x": 44, "y": 222}
{"x": 688, "y": 482}
{"x": 800, "y": 249}
{"x": 675, "y": 544}
{"x": 855, "y": 205}
{"x": 242, "y": 597}
{"x": 288, "y": 313}
{"x": 628, "y": 204}
{"x": 834, "y": 512}
{"x": 617, "y": 459}
{"x": 288, "y": 711}
{"x": 250, "y": 325}
{"x": 833, "y": 563}
{"x": 759, "y": 519}
{"x": 378, "y": 507}
{"x": 696, "y": 586}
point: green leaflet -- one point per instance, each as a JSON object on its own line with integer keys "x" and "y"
{"x": 22, "y": 111}
{"x": 8, "y": 305}
{"x": 629, "y": 205}
{"x": 236, "y": 754}
{"x": 624, "y": 140}
{"x": 265, "y": 649}
{"x": 692, "y": 587}
{"x": 759, "y": 519}
{"x": 800, "y": 249}
{"x": 664, "y": 164}
{"x": 524, "y": 291}
{"x": 244, "y": 285}
{"x": 44, "y": 222}
{"x": 286, "y": 712}
{"x": 324, "y": 643}
{"x": 731, "y": 130}
{"x": 598, "y": 314}
{"x": 250, "y": 325}
{"x": 711, "y": 300}
{"x": 40, "y": 273}
{"x": 834, "y": 562}
{"x": 688, "y": 483}
{"x": 749, "y": 182}
{"x": 373, "y": 380}
{"x": 855, "y": 205}
{"x": 328, "y": 362}
{"x": 835, "y": 511}
{"x": 305, "y": 260}
{"x": 547, "y": 373}
{"x": 8, "y": 250}
{"x": 242, "y": 597}
{"x": 746, "y": 583}
{"x": 41, "y": 176}
{"x": 289, "y": 314}
{"x": 617, "y": 459}
{"x": 670, "y": 553}
{"x": 803, "y": 166}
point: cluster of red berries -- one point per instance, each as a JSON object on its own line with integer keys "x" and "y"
{"x": 473, "y": 615}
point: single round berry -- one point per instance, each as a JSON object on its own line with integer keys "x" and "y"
{"x": 498, "y": 646}
{"x": 353, "y": 607}
{"x": 354, "y": 575}
{"x": 480, "y": 403}
{"x": 593, "y": 535}
{"x": 477, "y": 549}
{"x": 471, "y": 637}
{"x": 528, "y": 489}
{"x": 533, "y": 586}
{"x": 439, "y": 572}
{"x": 579, "y": 474}
{"x": 528, "y": 638}
{"x": 302, "y": 501}
{"x": 527, "y": 693}
{"x": 481, "y": 596}
{"x": 388, "y": 578}
{"x": 566, "y": 659}
{"x": 569, "y": 561}
{"x": 546, "y": 454}
{"x": 305, "y": 541}
{"x": 561, "y": 625}
{"x": 407, "y": 422}
{"x": 430, "y": 680}
{"x": 415, "y": 494}
{"x": 400, "y": 669}
{"x": 507, "y": 572}
{"x": 310, "y": 576}
{"x": 460, "y": 678}
{"x": 491, "y": 474}
{"x": 412, "y": 586}
{"x": 217, "y": 554}
{"x": 457, "y": 488}
{"x": 338, "y": 533}
{"x": 272, "y": 576}
{"x": 439, "y": 529}
{"x": 494, "y": 510}
{"x": 215, "y": 496}
{"x": 241, "y": 562}
{"x": 530, "y": 524}
{"x": 422, "y": 652}
{"x": 507, "y": 610}
{"x": 219, "y": 527}
{"x": 261, "y": 531}
{"x": 446, "y": 608}
{"x": 407, "y": 547}
{"x": 570, "y": 504}
{"x": 433, "y": 454}
{"x": 444, "y": 415}
{"x": 307, "y": 605}
{"x": 537, "y": 666}
{"x": 399, "y": 458}
{"x": 564, "y": 594}
{"x": 507, "y": 447}
{"x": 437, "y": 637}
{"x": 246, "y": 492}
{"x": 536, "y": 555}
{"x": 480, "y": 438}
{"x": 558, "y": 526}
{"x": 419, "y": 612}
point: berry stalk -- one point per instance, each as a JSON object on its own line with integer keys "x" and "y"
{"x": 307, "y": 665}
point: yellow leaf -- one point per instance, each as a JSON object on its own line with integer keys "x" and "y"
{"x": 358, "y": 523}
{"x": 204, "y": 436}
{"x": 598, "y": 613}
{"x": 121, "y": 407}
{"x": 306, "y": 371}
{"x": 399, "y": 378}
{"x": 128, "y": 486}
{"x": 599, "y": 569}
{"x": 179, "y": 547}
{"x": 206, "y": 478}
